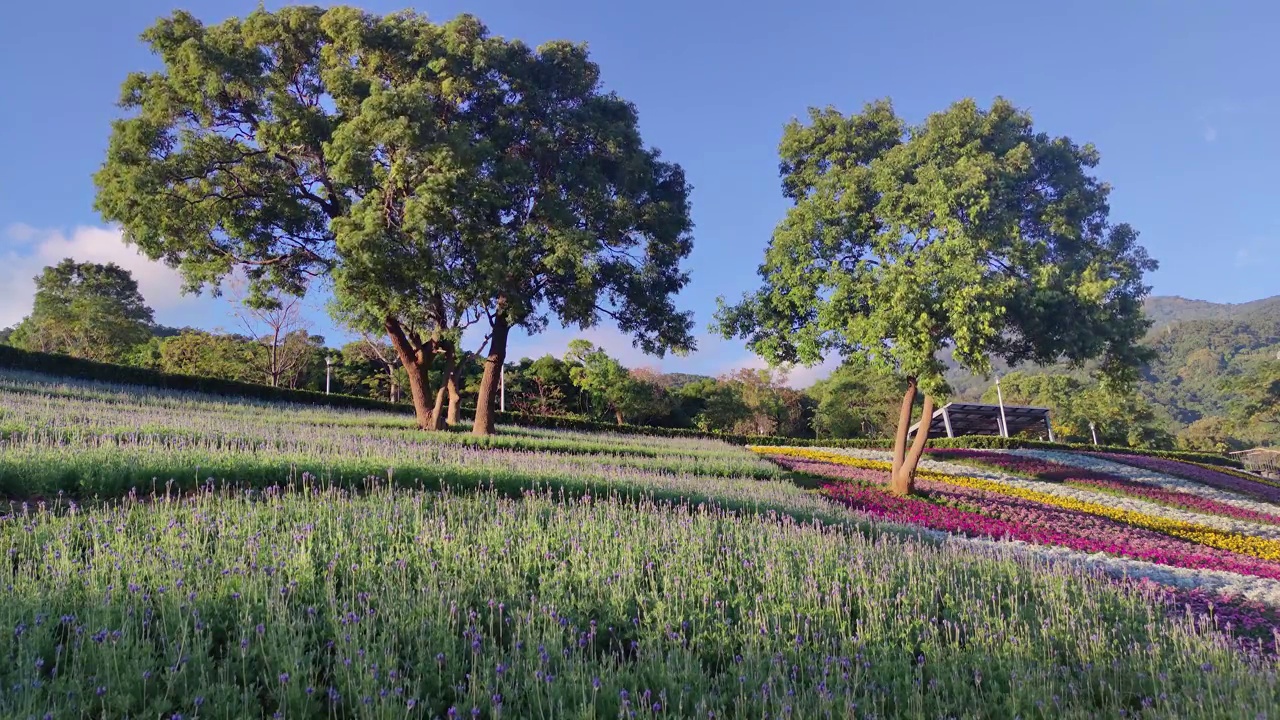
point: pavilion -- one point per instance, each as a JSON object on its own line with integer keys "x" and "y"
{"x": 959, "y": 418}
{"x": 1263, "y": 461}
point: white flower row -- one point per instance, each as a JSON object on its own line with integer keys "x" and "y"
{"x": 1168, "y": 482}
{"x": 1123, "y": 503}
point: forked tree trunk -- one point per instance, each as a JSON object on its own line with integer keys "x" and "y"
{"x": 417, "y": 364}
{"x": 902, "y": 478}
{"x": 489, "y": 384}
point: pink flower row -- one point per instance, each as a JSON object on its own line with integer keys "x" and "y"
{"x": 980, "y": 513}
{"x": 1187, "y": 471}
{"x": 1093, "y": 480}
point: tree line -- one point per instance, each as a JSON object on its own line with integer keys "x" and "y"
{"x": 95, "y": 311}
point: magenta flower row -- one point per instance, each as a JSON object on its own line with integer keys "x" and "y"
{"x": 1094, "y": 480}
{"x": 980, "y": 513}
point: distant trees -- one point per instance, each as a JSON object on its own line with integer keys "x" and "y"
{"x": 970, "y": 232}
{"x": 855, "y": 401}
{"x": 88, "y": 310}
{"x": 1118, "y": 416}
{"x": 204, "y": 354}
{"x": 288, "y": 350}
{"x": 1256, "y": 408}
{"x": 435, "y": 173}
{"x": 612, "y": 388}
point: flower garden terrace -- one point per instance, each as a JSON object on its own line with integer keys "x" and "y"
{"x": 174, "y": 554}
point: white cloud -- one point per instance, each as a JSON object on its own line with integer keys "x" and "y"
{"x": 1210, "y": 133}
{"x": 25, "y": 251}
{"x": 798, "y": 376}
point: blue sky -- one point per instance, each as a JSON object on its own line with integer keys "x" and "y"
{"x": 1180, "y": 98}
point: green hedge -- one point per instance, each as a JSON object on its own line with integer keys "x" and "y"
{"x": 65, "y": 365}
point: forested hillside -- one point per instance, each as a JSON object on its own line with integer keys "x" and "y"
{"x": 1214, "y": 378}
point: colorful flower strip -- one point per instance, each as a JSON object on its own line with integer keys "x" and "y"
{"x": 1234, "y": 542}
{"x": 1151, "y": 477}
{"x": 980, "y": 513}
{"x": 1234, "y": 472}
{"x": 1253, "y": 487}
{"x": 1049, "y": 471}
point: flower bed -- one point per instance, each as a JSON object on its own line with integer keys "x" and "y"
{"x": 982, "y": 513}
{"x": 1048, "y": 471}
{"x": 1254, "y": 487}
{"x": 1263, "y": 548}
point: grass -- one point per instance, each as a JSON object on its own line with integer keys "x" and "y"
{"x": 230, "y": 605}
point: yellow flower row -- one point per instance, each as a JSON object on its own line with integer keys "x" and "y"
{"x": 1235, "y": 542}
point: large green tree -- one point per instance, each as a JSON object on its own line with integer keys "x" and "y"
{"x": 435, "y": 173}
{"x": 969, "y": 231}
{"x": 85, "y": 309}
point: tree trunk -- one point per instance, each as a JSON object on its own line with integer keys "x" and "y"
{"x": 455, "y": 396}
{"x": 618, "y": 415}
{"x": 488, "y": 397}
{"x": 417, "y": 363}
{"x": 437, "y": 411}
{"x": 900, "y": 436}
{"x": 902, "y": 479}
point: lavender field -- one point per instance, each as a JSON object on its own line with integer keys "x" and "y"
{"x": 172, "y": 555}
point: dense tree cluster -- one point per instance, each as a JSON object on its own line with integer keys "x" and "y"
{"x": 436, "y": 175}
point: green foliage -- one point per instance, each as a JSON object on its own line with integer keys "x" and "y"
{"x": 1213, "y": 433}
{"x": 970, "y": 232}
{"x": 611, "y": 386}
{"x": 856, "y": 401}
{"x": 1200, "y": 361}
{"x": 543, "y": 387}
{"x": 715, "y": 405}
{"x": 198, "y": 353}
{"x": 1257, "y": 402}
{"x": 438, "y": 174}
{"x": 762, "y": 403}
{"x": 87, "y": 310}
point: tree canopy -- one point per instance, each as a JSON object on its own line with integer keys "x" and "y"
{"x": 438, "y": 175}
{"x": 970, "y": 232}
{"x": 85, "y": 309}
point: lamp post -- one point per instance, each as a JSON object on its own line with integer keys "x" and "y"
{"x": 1093, "y": 430}
{"x": 328, "y": 372}
{"x": 1004, "y": 422}
{"x": 502, "y": 388}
